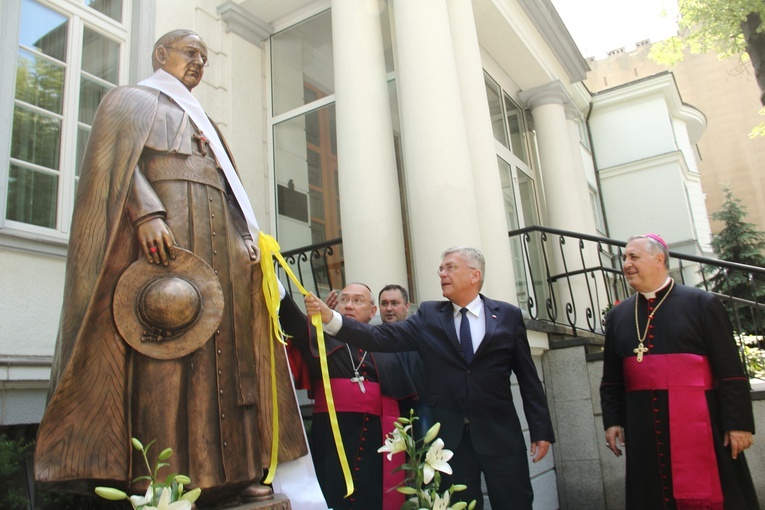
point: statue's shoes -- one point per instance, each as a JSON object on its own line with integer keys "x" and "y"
{"x": 257, "y": 492}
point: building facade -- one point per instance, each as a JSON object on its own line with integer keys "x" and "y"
{"x": 401, "y": 127}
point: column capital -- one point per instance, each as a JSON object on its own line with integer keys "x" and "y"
{"x": 244, "y": 23}
{"x": 550, "y": 93}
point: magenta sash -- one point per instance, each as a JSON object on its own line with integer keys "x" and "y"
{"x": 686, "y": 377}
{"x": 349, "y": 399}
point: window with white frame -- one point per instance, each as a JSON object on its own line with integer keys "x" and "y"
{"x": 69, "y": 54}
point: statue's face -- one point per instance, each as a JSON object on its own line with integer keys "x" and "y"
{"x": 185, "y": 59}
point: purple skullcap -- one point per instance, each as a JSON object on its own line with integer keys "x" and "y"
{"x": 657, "y": 238}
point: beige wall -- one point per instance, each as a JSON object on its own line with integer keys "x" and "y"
{"x": 726, "y": 92}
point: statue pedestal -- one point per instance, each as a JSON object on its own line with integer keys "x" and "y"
{"x": 278, "y": 502}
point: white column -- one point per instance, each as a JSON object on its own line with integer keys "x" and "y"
{"x": 568, "y": 204}
{"x": 441, "y": 191}
{"x": 561, "y": 175}
{"x": 492, "y": 220}
{"x": 373, "y": 239}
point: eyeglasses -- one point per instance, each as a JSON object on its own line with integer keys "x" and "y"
{"x": 191, "y": 53}
{"x": 357, "y": 301}
{"x": 449, "y": 269}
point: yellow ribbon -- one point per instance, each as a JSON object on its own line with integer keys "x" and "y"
{"x": 269, "y": 249}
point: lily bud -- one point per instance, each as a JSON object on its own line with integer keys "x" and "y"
{"x": 137, "y": 444}
{"x": 406, "y": 490}
{"x": 459, "y": 487}
{"x": 165, "y": 454}
{"x": 432, "y": 433}
{"x": 111, "y": 494}
{"x": 192, "y": 495}
{"x": 185, "y": 480}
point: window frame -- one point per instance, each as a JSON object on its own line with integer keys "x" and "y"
{"x": 15, "y": 233}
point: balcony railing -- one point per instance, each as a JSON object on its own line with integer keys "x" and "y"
{"x": 572, "y": 279}
{"x": 319, "y": 267}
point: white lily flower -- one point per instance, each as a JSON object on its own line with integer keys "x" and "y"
{"x": 436, "y": 460}
{"x": 441, "y": 503}
{"x": 165, "y": 504}
{"x": 141, "y": 501}
{"x": 395, "y": 442}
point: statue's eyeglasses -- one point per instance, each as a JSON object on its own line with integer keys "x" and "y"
{"x": 191, "y": 53}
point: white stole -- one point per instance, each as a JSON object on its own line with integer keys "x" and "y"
{"x": 172, "y": 87}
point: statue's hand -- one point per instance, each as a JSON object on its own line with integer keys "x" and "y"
{"x": 156, "y": 241}
{"x": 253, "y": 249}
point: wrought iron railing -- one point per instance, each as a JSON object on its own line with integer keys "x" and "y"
{"x": 572, "y": 279}
{"x": 319, "y": 267}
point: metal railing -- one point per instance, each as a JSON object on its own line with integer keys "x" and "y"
{"x": 319, "y": 267}
{"x": 572, "y": 279}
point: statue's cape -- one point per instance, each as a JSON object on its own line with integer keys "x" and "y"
{"x": 85, "y": 432}
{"x": 91, "y": 359}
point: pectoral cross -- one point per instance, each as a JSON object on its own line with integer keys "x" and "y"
{"x": 201, "y": 141}
{"x": 360, "y": 380}
{"x": 639, "y": 350}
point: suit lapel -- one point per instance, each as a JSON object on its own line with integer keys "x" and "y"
{"x": 491, "y": 316}
{"x": 446, "y": 316}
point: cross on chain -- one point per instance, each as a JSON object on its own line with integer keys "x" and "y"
{"x": 360, "y": 380}
{"x": 201, "y": 141}
{"x": 639, "y": 350}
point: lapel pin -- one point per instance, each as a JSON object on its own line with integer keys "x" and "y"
{"x": 493, "y": 316}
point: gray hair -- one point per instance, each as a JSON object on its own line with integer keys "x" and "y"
{"x": 169, "y": 39}
{"x": 654, "y": 246}
{"x": 473, "y": 256}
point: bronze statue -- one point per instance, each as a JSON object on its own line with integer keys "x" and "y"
{"x": 150, "y": 345}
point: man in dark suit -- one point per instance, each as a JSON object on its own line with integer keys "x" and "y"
{"x": 470, "y": 345}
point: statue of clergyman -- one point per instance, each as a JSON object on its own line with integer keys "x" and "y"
{"x": 164, "y": 329}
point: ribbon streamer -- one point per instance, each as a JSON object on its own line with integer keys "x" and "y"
{"x": 269, "y": 249}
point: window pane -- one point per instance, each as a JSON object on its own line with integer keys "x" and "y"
{"x": 304, "y": 160}
{"x": 39, "y": 82}
{"x": 100, "y": 56}
{"x": 302, "y": 55}
{"x": 91, "y": 94}
{"x": 515, "y": 125}
{"x": 511, "y": 215}
{"x": 495, "y": 110}
{"x": 43, "y": 29}
{"x": 36, "y": 138}
{"x": 112, "y": 8}
{"x": 32, "y": 197}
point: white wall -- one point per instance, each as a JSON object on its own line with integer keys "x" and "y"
{"x": 632, "y": 131}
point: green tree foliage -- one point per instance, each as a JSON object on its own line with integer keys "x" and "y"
{"x": 729, "y": 27}
{"x": 13, "y": 455}
{"x": 739, "y": 242}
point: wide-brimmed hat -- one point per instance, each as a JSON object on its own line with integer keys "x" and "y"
{"x": 166, "y": 312}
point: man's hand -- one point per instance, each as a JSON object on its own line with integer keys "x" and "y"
{"x": 156, "y": 241}
{"x": 738, "y": 440}
{"x": 314, "y": 306}
{"x": 614, "y": 434}
{"x": 539, "y": 450}
{"x": 331, "y": 299}
{"x": 253, "y": 249}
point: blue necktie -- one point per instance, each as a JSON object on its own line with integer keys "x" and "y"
{"x": 466, "y": 339}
